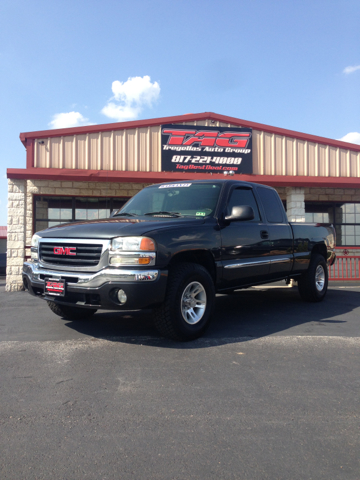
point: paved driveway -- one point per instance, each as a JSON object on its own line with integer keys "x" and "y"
{"x": 271, "y": 392}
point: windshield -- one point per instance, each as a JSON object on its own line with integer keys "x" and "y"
{"x": 180, "y": 199}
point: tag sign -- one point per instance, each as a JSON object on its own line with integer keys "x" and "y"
{"x": 56, "y": 287}
{"x": 196, "y": 148}
{"x": 175, "y": 185}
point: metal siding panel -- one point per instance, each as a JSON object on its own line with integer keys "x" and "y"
{"x": 268, "y": 160}
{"x": 130, "y": 148}
{"x": 119, "y": 149}
{"x": 41, "y": 153}
{"x": 139, "y": 149}
{"x": 343, "y": 154}
{"x": 323, "y": 161}
{"x": 344, "y": 165}
{"x": 289, "y": 156}
{"x": 68, "y": 160}
{"x": 279, "y": 155}
{"x": 300, "y": 157}
{"x": 155, "y": 149}
{"x": 106, "y": 151}
{"x": 258, "y": 165}
{"x": 81, "y": 152}
{"x": 93, "y": 151}
{"x": 354, "y": 164}
{"x": 333, "y": 155}
{"x": 55, "y": 153}
{"x": 143, "y": 149}
{"x": 312, "y": 159}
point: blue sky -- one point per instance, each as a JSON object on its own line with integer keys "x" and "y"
{"x": 290, "y": 64}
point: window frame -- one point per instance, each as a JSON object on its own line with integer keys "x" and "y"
{"x": 333, "y": 205}
{"x": 40, "y": 197}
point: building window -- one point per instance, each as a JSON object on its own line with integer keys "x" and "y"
{"x": 51, "y": 211}
{"x": 344, "y": 216}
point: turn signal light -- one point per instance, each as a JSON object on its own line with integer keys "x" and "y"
{"x": 147, "y": 244}
{"x": 119, "y": 260}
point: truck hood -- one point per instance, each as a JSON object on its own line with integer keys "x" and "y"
{"x": 114, "y": 227}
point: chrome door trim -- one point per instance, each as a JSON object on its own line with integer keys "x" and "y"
{"x": 256, "y": 263}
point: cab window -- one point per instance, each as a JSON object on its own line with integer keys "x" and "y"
{"x": 243, "y": 196}
{"x": 272, "y": 205}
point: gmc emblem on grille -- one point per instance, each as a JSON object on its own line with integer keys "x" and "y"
{"x": 65, "y": 250}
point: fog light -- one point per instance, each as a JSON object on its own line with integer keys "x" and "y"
{"x": 122, "y": 297}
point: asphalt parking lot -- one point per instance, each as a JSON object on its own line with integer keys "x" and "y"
{"x": 271, "y": 392}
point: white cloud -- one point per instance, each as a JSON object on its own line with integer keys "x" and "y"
{"x": 351, "y": 69}
{"x": 68, "y": 120}
{"x": 131, "y": 97}
{"x": 352, "y": 137}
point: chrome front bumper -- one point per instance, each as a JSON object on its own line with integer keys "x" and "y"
{"x": 144, "y": 288}
{"x": 36, "y": 274}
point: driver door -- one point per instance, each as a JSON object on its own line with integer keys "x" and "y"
{"x": 245, "y": 244}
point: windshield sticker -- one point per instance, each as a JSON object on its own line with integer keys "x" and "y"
{"x": 200, "y": 214}
{"x": 175, "y": 185}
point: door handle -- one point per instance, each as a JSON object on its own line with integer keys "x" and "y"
{"x": 264, "y": 234}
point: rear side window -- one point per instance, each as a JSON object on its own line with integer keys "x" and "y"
{"x": 271, "y": 203}
{"x": 243, "y": 196}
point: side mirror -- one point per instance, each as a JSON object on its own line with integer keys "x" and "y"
{"x": 240, "y": 214}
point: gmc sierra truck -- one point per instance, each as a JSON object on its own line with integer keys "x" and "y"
{"x": 171, "y": 248}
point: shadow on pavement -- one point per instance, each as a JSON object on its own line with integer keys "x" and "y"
{"x": 242, "y": 316}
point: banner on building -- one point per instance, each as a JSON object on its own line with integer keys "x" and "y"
{"x": 206, "y": 149}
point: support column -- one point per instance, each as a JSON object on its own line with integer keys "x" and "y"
{"x": 15, "y": 235}
{"x": 295, "y": 204}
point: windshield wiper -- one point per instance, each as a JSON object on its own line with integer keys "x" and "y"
{"x": 125, "y": 214}
{"x": 170, "y": 214}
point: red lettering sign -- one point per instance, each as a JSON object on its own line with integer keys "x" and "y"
{"x": 204, "y": 138}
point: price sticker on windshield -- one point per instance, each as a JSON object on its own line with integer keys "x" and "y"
{"x": 176, "y": 185}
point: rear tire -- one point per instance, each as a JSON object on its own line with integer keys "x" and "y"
{"x": 314, "y": 282}
{"x": 71, "y": 313}
{"x": 186, "y": 311}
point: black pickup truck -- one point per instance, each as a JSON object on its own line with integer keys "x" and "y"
{"x": 171, "y": 248}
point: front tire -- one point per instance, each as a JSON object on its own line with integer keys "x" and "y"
{"x": 314, "y": 282}
{"x": 71, "y": 313}
{"x": 186, "y": 311}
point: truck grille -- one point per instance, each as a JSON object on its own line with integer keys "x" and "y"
{"x": 70, "y": 254}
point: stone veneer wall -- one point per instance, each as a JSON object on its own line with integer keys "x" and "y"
{"x": 20, "y": 214}
{"x": 332, "y": 194}
{"x": 15, "y": 234}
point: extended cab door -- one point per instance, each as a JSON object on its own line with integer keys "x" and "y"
{"x": 245, "y": 246}
{"x": 280, "y": 235}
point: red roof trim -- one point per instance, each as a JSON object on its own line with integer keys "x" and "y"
{"x": 191, "y": 117}
{"x": 158, "y": 177}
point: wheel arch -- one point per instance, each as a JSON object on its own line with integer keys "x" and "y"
{"x": 320, "y": 248}
{"x": 200, "y": 257}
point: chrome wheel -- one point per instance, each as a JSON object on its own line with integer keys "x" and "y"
{"x": 319, "y": 278}
{"x": 193, "y": 303}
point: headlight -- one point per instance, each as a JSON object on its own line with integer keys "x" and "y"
{"x": 35, "y": 247}
{"x": 133, "y": 244}
{"x": 131, "y": 251}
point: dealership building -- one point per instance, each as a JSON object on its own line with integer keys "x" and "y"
{"x": 84, "y": 173}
